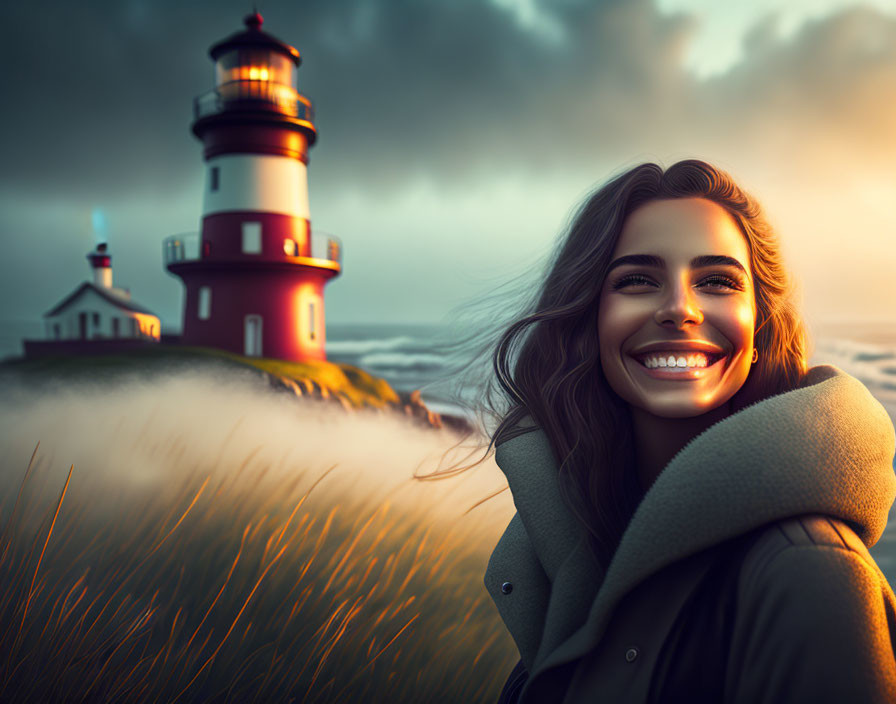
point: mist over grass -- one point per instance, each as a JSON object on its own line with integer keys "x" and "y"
{"x": 195, "y": 536}
{"x": 217, "y": 541}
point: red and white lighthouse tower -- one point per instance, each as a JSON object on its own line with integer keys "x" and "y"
{"x": 255, "y": 275}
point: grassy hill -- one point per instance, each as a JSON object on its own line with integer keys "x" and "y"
{"x": 354, "y": 386}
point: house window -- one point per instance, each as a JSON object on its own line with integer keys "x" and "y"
{"x": 82, "y": 325}
{"x": 215, "y": 178}
{"x": 205, "y": 302}
{"x": 115, "y": 327}
{"x": 57, "y": 333}
{"x": 96, "y": 320}
{"x": 251, "y": 238}
{"x": 289, "y": 247}
{"x": 252, "y": 337}
{"x": 133, "y": 327}
{"x": 312, "y": 328}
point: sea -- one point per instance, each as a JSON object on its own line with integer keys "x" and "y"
{"x": 408, "y": 356}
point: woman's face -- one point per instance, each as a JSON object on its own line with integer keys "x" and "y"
{"x": 677, "y": 310}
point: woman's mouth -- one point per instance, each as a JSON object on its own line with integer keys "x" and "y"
{"x": 673, "y": 364}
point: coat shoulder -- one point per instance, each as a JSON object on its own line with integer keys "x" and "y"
{"x": 808, "y": 531}
{"x": 815, "y": 619}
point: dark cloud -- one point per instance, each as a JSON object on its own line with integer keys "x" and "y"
{"x": 402, "y": 89}
{"x": 446, "y": 91}
{"x": 456, "y": 94}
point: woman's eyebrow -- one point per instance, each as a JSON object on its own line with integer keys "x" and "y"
{"x": 652, "y": 260}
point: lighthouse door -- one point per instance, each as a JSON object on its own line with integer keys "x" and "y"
{"x": 252, "y": 340}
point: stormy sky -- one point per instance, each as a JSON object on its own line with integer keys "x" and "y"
{"x": 454, "y": 136}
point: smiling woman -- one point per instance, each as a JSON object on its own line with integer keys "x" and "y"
{"x": 694, "y": 505}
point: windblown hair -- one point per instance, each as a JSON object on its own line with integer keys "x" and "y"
{"x": 547, "y": 362}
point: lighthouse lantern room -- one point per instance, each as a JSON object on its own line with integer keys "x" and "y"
{"x": 255, "y": 275}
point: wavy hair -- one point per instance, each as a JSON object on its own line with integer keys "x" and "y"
{"x": 547, "y": 364}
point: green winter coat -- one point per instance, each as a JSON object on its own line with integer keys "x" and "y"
{"x": 808, "y": 474}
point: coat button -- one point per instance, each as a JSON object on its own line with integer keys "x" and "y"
{"x": 632, "y": 654}
{"x": 506, "y": 588}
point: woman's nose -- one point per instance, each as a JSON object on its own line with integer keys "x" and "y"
{"x": 679, "y": 307}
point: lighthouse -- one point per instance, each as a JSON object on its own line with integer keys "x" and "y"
{"x": 254, "y": 276}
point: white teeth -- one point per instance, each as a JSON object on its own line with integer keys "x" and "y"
{"x": 694, "y": 360}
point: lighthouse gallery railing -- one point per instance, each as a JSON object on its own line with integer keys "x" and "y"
{"x": 185, "y": 247}
{"x": 238, "y": 95}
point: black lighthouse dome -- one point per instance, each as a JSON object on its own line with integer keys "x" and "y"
{"x": 254, "y": 38}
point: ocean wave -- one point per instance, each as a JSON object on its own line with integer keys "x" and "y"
{"x": 869, "y": 363}
{"x": 366, "y": 346}
{"x": 864, "y": 351}
{"x": 404, "y": 362}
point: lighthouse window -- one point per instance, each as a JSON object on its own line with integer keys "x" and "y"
{"x": 252, "y": 337}
{"x": 205, "y": 302}
{"x": 251, "y": 238}
{"x": 215, "y": 177}
{"x": 312, "y": 328}
{"x": 289, "y": 247}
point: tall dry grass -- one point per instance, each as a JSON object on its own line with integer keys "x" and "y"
{"x": 196, "y": 537}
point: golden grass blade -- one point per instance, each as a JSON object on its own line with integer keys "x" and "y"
{"x": 338, "y": 696}
{"x": 123, "y": 581}
{"x": 179, "y": 521}
{"x": 354, "y": 609}
{"x": 351, "y": 548}
{"x": 223, "y": 586}
{"x": 144, "y": 617}
{"x": 482, "y": 501}
{"x": 302, "y": 500}
{"x": 37, "y": 568}
{"x": 232, "y": 625}
{"x": 3, "y": 540}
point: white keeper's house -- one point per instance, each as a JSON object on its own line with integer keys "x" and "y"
{"x": 96, "y": 317}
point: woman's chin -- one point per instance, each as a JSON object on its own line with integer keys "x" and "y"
{"x": 682, "y": 407}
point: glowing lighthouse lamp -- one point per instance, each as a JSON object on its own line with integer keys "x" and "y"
{"x": 255, "y": 276}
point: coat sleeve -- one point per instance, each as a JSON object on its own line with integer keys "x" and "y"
{"x": 514, "y": 684}
{"x": 814, "y": 625}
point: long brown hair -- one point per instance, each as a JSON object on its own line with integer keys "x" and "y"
{"x": 547, "y": 365}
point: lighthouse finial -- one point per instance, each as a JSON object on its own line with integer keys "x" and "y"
{"x": 254, "y": 20}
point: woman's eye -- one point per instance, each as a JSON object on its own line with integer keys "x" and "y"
{"x": 722, "y": 281}
{"x": 716, "y": 281}
{"x": 632, "y": 280}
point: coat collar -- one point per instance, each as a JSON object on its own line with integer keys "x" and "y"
{"x": 826, "y": 447}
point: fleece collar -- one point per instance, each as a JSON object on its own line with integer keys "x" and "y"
{"x": 826, "y": 447}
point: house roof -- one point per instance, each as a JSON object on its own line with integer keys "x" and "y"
{"x": 103, "y": 293}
